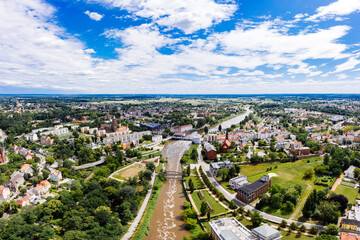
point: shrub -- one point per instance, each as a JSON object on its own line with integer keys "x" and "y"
{"x": 293, "y": 226}
{"x": 313, "y": 230}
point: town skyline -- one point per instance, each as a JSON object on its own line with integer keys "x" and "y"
{"x": 149, "y": 47}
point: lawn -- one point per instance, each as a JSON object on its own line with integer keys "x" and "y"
{"x": 196, "y": 180}
{"x": 226, "y": 185}
{"x": 348, "y": 192}
{"x": 289, "y": 175}
{"x": 186, "y": 157}
{"x": 218, "y": 208}
{"x": 130, "y": 172}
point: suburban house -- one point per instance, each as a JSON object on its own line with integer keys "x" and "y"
{"x": 46, "y": 141}
{"x": 42, "y": 187}
{"x": 349, "y": 173}
{"x": 4, "y": 193}
{"x": 15, "y": 181}
{"x": 225, "y": 146}
{"x": 26, "y": 168}
{"x": 56, "y": 176}
{"x": 249, "y": 192}
{"x": 237, "y": 182}
{"x": 210, "y": 151}
{"x": 24, "y": 201}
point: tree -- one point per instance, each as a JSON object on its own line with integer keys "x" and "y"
{"x": 103, "y": 215}
{"x": 126, "y": 216}
{"x": 190, "y": 223}
{"x": 220, "y": 128}
{"x": 276, "y": 201}
{"x": 283, "y": 224}
{"x": 203, "y": 208}
{"x": 14, "y": 206}
{"x": 35, "y": 169}
{"x": 206, "y": 129}
{"x": 341, "y": 199}
{"x": 328, "y": 212}
{"x": 326, "y": 237}
{"x": 293, "y": 226}
{"x": 288, "y": 207}
{"x": 302, "y": 228}
{"x": 232, "y": 205}
{"x": 76, "y": 235}
{"x": 310, "y": 204}
{"x": 45, "y": 173}
{"x": 332, "y": 229}
{"x": 357, "y": 173}
{"x": 191, "y": 186}
{"x": 309, "y": 173}
{"x": 50, "y": 160}
{"x": 23, "y": 190}
{"x": 313, "y": 230}
{"x": 150, "y": 166}
{"x": 188, "y": 170}
{"x": 256, "y": 219}
{"x": 208, "y": 215}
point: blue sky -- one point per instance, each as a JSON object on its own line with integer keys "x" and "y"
{"x": 179, "y": 46}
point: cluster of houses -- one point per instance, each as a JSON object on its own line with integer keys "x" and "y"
{"x": 10, "y": 189}
{"x": 350, "y": 225}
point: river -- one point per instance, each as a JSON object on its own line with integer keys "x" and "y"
{"x": 166, "y": 223}
{"x": 235, "y": 120}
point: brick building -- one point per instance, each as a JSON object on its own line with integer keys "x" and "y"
{"x": 210, "y": 151}
{"x": 249, "y": 192}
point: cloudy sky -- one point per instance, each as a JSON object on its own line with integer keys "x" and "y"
{"x": 180, "y": 46}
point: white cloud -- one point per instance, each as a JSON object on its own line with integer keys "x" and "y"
{"x": 94, "y": 16}
{"x": 337, "y": 8}
{"x": 349, "y": 64}
{"x": 89, "y": 50}
{"x": 187, "y": 15}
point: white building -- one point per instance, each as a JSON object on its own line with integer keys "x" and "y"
{"x": 32, "y": 137}
{"x": 4, "y": 193}
{"x": 349, "y": 173}
{"x": 156, "y": 138}
{"x": 237, "y": 182}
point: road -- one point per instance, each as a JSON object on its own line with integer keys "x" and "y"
{"x": 232, "y": 197}
{"x": 93, "y": 164}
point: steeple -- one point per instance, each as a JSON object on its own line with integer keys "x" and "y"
{"x": 227, "y": 135}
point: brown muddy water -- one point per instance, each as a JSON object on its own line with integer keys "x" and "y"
{"x": 166, "y": 223}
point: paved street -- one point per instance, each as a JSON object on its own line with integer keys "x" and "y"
{"x": 93, "y": 164}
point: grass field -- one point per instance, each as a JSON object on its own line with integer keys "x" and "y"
{"x": 130, "y": 172}
{"x": 196, "y": 180}
{"x": 218, "y": 208}
{"x": 348, "y": 192}
{"x": 289, "y": 174}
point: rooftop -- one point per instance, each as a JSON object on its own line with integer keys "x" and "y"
{"x": 231, "y": 229}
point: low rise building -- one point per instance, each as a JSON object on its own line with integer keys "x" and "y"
{"x": 349, "y": 173}
{"x": 42, "y": 187}
{"x": 265, "y": 232}
{"x": 237, "y": 182}
{"x": 46, "y": 141}
{"x": 4, "y": 193}
{"x": 156, "y": 138}
{"x": 210, "y": 151}
{"x": 56, "y": 176}
{"x": 216, "y": 166}
{"x": 249, "y": 192}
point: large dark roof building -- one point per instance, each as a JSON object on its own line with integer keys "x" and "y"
{"x": 250, "y": 192}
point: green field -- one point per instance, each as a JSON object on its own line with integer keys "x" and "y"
{"x": 348, "y": 192}
{"x": 218, "y": 208}
{"x": 186, "y": 157}
{"x": 196, "y": 180}
{"x": 289, "y": 174}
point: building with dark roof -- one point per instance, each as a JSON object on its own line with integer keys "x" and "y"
{"x": 352, "y": 225}
{"x": 249, "y": 192}
{"x": 154, "y": 127}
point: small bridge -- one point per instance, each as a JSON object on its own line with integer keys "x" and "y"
{"x": 172, "y": 175}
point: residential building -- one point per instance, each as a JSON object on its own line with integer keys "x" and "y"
{"x": 350, "y": 224}
{"x": 4, "y": 193}
{"x": 216, "y": 166}
{"x": 184, "y": 128}
{"x": 46, "y": 140}
{"x": 23, "y": 201}
{"x": 349, "y": 173}
{"x": 56, "y": 131}
{"x": 42, "y": 187}
{"x": 249, "y": 192}
{"x": 84, "y": 129}
{"x": 237, "y": 182}
{"x": 26, "y": 168}
{"x": 349, "y": 236}
{"x": 210, "y": 151}
{"x": 15, "y": 182}
{"x": 302, "y": 151}
{"x": 32, "y": 137}
{"x": 56, "y": 176}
